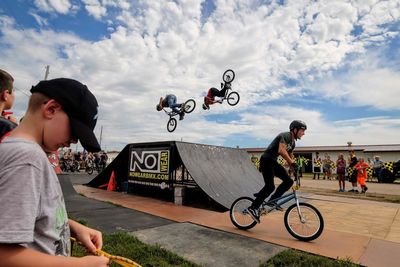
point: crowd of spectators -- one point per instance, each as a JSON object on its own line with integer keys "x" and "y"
{"x": 75, "y": 161}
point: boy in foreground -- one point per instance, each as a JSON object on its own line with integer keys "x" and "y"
{"x": 34, "y": 227}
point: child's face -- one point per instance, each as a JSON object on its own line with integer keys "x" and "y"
{"x": 57, "y": 132}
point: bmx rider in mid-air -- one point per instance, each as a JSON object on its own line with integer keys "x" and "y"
{"x": 209, "y": 99}
{"x": 282, "y": 145}
{"x": 169, "y": 101}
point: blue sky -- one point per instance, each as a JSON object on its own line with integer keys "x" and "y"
{"x": 333, "y": 64}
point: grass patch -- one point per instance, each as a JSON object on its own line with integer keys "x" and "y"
{"x": 125, "y": 245}
{"x": 296, "y": 258}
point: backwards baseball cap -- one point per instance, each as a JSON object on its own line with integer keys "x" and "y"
{"x": 79, "y": 104}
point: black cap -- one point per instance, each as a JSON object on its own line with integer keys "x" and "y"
{"x": 79, "y": 104}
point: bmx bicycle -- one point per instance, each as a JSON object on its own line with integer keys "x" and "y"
{"x": 302, "y": 220}
{"x": 186, "y": 107}
{"x": 231, "y": 96}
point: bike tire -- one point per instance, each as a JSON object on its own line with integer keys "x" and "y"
{"x": 189, "y": 106}
{"x": 295, "y": 226}
{"x": 89, "y": 170}
{"x": 228, "y": 76}
{"x": 233, "y": 98}
{"x": 238, "y": 215}
{"x": 171, "y": 125}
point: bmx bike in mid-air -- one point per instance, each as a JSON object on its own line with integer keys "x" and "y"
{"x": 302, "y": 220}
{"x": 231, "y": 96}
{"x": 186, "y": 107}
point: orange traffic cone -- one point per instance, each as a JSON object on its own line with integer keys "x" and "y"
{"x": 112, "y": 184}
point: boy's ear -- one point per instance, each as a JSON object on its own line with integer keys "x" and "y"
{"x": 51, "y": 107}
{"x": 3, "y": 95}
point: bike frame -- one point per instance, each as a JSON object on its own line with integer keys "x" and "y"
{"x": 265, "y": 208}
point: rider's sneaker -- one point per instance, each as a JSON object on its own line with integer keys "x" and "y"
{"x": 181, "y": 115}
{"x": 254, "y": 214}
{"x": 219, "y": 101}
{"x": 205, "y": 107}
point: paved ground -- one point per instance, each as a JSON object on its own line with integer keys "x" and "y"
{"x": 366, "y": 231}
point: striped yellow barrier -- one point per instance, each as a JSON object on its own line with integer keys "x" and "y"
{"x": 124, "y": 262}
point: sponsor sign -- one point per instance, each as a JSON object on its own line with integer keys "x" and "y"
{"x": 149, "y": 164}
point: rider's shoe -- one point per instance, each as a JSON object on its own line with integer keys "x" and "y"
{"x": 254, "y": 214}
{"x": 205, "y": 107}
{"x": 181, "y": 115}
{"x": 219, "y": 101}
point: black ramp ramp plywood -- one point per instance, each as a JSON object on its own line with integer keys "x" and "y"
{"x": 222, "y": 173}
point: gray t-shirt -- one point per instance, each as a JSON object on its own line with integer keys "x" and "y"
{"x": 32, "y": 210}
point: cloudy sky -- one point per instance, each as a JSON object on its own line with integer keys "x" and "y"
{"x": 333, "y": 64}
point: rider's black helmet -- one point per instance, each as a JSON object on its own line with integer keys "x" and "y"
{"x": 158, "y": 107}
{"x": 297, "y": 124}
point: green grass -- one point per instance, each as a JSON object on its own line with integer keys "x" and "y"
{"x": 296, "y": 258}
{"x": 125, "y": 245}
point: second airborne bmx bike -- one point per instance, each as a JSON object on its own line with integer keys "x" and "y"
{"x": 186, "y": 107}
{"x": 302, "y": 220}
{"x": 231, "y": 96}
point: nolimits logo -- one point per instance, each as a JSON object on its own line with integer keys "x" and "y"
{"x": 150, "y": 161}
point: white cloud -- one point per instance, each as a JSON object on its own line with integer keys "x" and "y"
{"x": 59, "y": 6}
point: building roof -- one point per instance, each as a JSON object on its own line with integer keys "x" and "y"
{"x": 364, "y": 148}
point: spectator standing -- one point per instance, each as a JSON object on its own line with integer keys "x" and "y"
{"x": 317, "y": 163}
{"x": 7, "y": 121}
{"x": 34, "y": 226}
{"x": 341, "y": 171}
{"x": 377, "y": 166}
{"x": 361, "y": 168}
{"x": 353, "y": 173}
{"x": 327, "y": 163}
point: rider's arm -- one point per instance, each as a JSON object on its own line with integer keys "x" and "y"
{"x": 283, "y": 152}
{"x": 160, "y": 103}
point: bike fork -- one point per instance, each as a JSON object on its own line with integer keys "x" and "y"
{"x": 299, "y": 211}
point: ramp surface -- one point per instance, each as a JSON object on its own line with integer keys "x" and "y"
{"x": 224, "y": 174}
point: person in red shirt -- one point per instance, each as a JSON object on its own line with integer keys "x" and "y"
{"x": 209, "y": 99}
{"x": 361, "y": 168}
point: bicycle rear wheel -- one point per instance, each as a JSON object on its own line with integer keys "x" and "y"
{"x": 171, "y": 125}
{"x": 239, "y": 214}
{"x": 307, "y": 226}
{"x": 228, "y": 76}
{"x": 233, "y": 98}
{"x": 189, "y": 106}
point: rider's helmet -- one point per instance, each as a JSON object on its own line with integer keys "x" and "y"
{"x": 158, "y": 107}
{"x": 297, "y": 124}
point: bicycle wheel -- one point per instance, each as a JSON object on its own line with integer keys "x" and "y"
{"x": 307, "y": 227}
{"x": 171, "y": 125}
{"x": 233, "y": 98}
{"x": 239, "y": 214}
{"x": 89, "y": 170}
{"x": 228, "y": 76}
{"x": 189, "y": 106}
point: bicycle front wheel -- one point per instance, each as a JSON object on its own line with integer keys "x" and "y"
{"x": 233, "y": 98}
{"x": 171, "y": 126}
{"x": 189, "y": 106}
{"x": 240, "y": 217}
{"x": 228, "y": 76}
{"x": 305, "y": 223}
